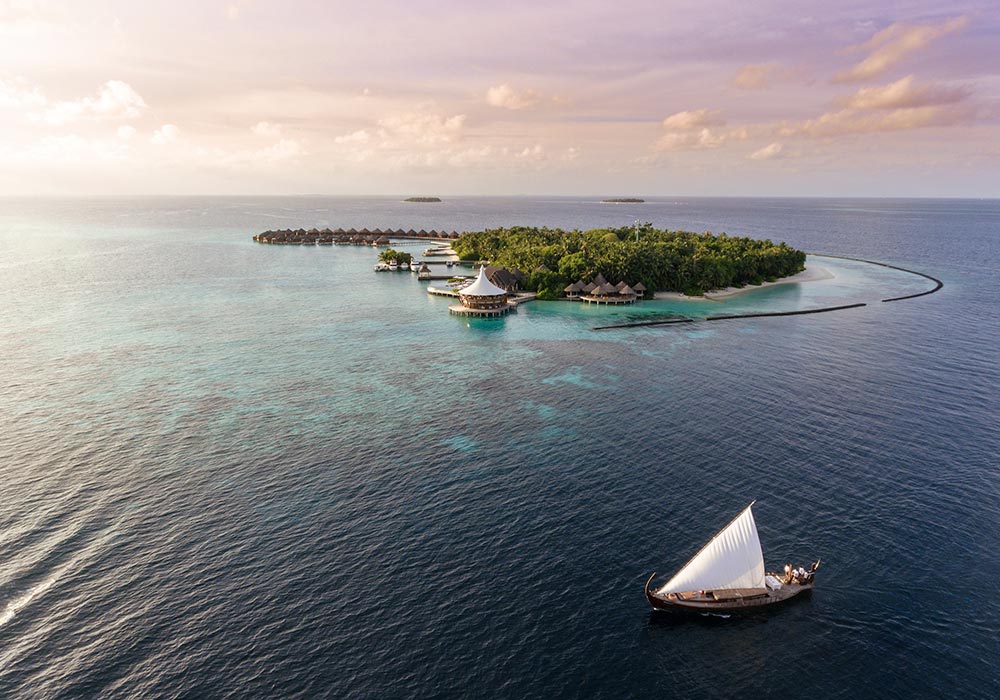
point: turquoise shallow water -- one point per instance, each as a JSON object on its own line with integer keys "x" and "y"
{"x": 243, "y": 470}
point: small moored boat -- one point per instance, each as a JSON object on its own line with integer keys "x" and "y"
{"x": 727, "y": 576}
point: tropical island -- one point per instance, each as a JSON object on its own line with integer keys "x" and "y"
{"x": 397, "y": 256}
{"x": 422, "y": 199}
{"x": 659, "y": 260}
{"x": 623, "y": 200}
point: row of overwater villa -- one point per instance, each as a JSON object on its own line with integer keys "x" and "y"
{"x": 350, "y": 236}
{"x": 600, "y": 291}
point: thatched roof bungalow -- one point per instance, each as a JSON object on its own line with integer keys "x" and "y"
{"x": 509, "y": 280}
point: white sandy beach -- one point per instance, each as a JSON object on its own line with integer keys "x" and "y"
{"x": 812, "y": 273}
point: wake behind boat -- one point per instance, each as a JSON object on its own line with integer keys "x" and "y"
{"x": 728, "y": 576}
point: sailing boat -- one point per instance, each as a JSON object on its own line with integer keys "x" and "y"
{"x": 728, "y": 576}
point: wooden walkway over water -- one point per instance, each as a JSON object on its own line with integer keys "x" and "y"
{"x": 938, "y": 284}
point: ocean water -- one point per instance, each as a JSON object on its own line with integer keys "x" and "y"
{"x": 236, "y": 470}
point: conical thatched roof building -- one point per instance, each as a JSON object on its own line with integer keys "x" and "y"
{"x": 482, "y": 298}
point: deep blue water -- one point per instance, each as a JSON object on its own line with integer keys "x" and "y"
{"x": 235, "y": 470}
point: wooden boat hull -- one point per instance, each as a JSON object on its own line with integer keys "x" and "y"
{"x": 727, "y": 602}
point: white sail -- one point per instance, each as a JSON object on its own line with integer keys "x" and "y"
{"x": 732, "y": 559}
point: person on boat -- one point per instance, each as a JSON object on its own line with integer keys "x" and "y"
{"x": 788, "y": 573}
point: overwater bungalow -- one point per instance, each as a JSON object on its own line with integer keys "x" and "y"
{"x": 573, "y": 291}
{"x": 608, "y": 293}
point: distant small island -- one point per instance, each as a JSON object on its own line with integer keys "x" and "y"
{"x": 623, "y": 200}
{"x": 422, "y": 199}
{"x": 659, "y": 260}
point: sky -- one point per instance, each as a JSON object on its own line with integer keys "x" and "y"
{"x": 635, "y": 97}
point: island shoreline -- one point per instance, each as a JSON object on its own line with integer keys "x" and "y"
{"x": 811, "y": 273}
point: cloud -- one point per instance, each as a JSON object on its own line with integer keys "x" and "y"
{"x": 422, "y": 128}
{"x": 508, "y": 98}
{"x": 359, "y": 136}
{"x": 769, "y": 152}
{"x": 19, "y": 94}
{"x": 531, "y": 153}
{"x": 266, "y": 129}
{"x": 115, "y": 100}
{"x": 167, "y": 133}
{"x": 903, "y": 94}
{"x": 899, "y": 106}
{"x": 702, "y": 139}
{"x": 693, "y": 119}
{"x": 889, "y": 46}
{"x": 126, "y": 132}
{"x": 852, "y": 121}
{"x": 754, "y": 76}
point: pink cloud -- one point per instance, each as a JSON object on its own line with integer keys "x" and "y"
{"x": 695, "y": 119}
{"x": 769, "y": 152}
{"x": 701, "y": 139}
{"x": 889, "y": 46}
{"x": 754, "y": 76}
{"x": 508, "y": 98}
{"x": 904, "y": 93}
{"x": 852, "y": 121}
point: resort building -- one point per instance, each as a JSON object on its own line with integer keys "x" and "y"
{"x": 509, "y": 280}
{"x": 482, "y": 298}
